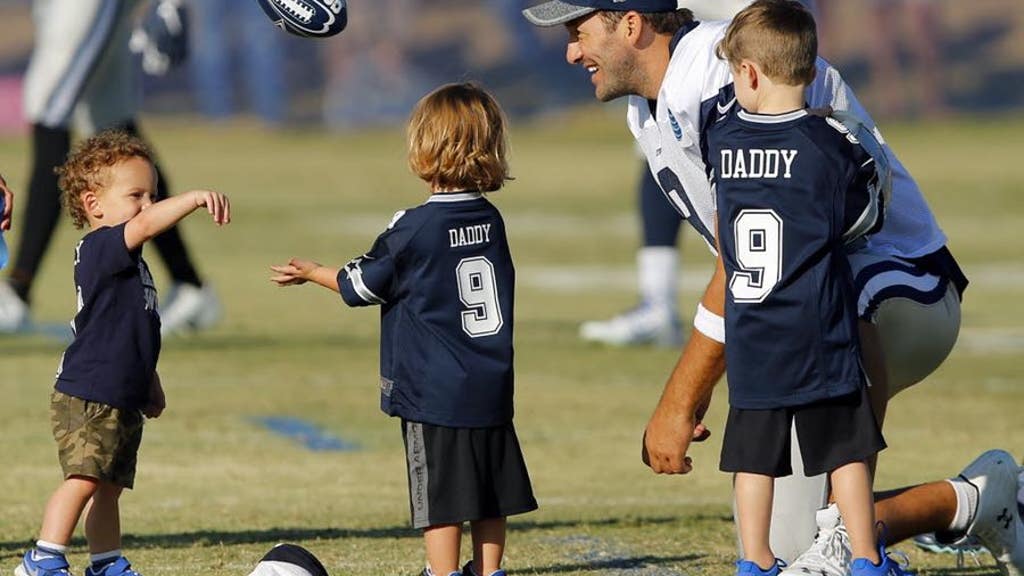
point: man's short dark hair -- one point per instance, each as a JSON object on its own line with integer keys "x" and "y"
{"x": 661, "y": 22}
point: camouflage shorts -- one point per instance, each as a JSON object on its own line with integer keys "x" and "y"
{"x": 96, "y": 440}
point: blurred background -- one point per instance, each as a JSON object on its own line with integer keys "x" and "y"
{"x": 906, "y": 58}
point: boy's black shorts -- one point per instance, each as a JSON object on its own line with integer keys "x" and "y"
{"x": 832, "y": 433}
{"x": 464, "y": 474}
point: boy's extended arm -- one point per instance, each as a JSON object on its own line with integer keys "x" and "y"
{"x": 298, "y": 271}
{"x": 160, "y": 216}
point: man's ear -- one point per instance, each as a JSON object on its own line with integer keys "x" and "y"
{"x": 632, "y": 25}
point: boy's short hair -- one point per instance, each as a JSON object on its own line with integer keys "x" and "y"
{"x": 660, "y": 22}
{"x": 779, "y": 35}
{"x": 457, "y": 139}
{"x": 85, "y": 167}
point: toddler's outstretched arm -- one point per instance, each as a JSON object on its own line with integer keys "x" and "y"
{"x": 161, "y": 215}
{"x": 298, "y": 271}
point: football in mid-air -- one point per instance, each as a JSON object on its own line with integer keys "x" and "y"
{"x": 309, "y": 18}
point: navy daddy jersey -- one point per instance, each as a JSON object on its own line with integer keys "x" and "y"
{"x": 670, "y": 132}
{"x": 794, "y": 192}
{"x": 113, "y": 357}
{"x": 443, "y": 276}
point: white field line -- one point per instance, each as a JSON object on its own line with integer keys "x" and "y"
{"x": 604, "y": 557}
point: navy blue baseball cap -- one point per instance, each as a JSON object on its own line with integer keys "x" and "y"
{"x": 555, "y": 12}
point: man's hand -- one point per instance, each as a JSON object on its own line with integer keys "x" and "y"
{"x": 667, "y": 439}
{"x": 157, "y": 401}
{"x": 5, "y": 217}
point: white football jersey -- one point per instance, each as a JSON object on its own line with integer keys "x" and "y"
{"x": 670, "y": 138}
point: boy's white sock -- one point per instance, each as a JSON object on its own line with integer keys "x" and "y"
{"x": 51, "y": 547}
{"x": 104, "y": 557}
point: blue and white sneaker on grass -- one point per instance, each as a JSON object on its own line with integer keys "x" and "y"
{"x": 887, "y": 567}
{"x": 118, "y": 567}
{"x": 428, "y": 572}
{"x": 467, "y": 570}
{"x": 38, "y": 562}
{"x": 748, "y": 568}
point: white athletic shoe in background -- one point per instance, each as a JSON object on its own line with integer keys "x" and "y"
{"x": 997, "y": 523}
{"x": 969, "y": 547}
{"x": 643, "y": 325}
{"x": 189, "y": 308}
{"x": 830, "y": 554}
{"x": 13, "y": 311}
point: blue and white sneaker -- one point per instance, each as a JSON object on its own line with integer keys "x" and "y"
{"x": 428, "y": 572}
{"x": 748, "y": 568}
{"x": 887, "y": 567}
{"x": 38, "y": 562}
{"x": 119, "y": 567}
{"x": 467, "y": 570}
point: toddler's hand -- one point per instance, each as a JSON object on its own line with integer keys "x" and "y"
{"x": 157, "y": 400}
{"x": 8, "y": 197}
{"x": 295, "y": 272}
{"x": 216, "y": 204}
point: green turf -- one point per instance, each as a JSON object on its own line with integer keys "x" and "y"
{"x": 214, "y": 491}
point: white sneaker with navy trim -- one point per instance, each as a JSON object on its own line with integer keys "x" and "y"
{"x": 643, "y": 325}
{"x": 13, "y": 311}
{"x": 189, "y": 308}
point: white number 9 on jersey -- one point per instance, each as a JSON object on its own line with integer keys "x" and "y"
{"x": 758, "y": 237}
{"x": 479, "y": 292}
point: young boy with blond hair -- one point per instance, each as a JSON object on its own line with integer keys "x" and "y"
{"x": 107, "y": 379}
{"x": 795, "y": 190}
{"x": 443, "y": 276}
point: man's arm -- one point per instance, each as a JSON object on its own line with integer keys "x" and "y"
{"x": 677, "y": 418}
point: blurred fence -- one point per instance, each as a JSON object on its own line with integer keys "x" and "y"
{"x": 904, "y": 57}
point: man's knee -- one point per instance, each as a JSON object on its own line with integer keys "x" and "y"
{"x": 916, "y": 338}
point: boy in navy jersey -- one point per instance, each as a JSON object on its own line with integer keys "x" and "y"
{"x": 443, "y": 276}
{"x": 107, "y": 379}
{"x": 794, "y": 190}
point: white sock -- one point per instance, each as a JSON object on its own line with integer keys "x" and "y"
{"x": 658, "y": 276}
{"x": 966, "y": 504}
{"x": 104, "y": 557}
{"x": 51, "y": 547}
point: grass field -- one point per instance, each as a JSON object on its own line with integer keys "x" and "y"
{"x": 215, "y": 491}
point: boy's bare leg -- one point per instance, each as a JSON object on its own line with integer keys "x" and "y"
{"x": 851, "y": 485}
{"x": 488, "y": 545}
{"x": 103, "y": 521}
{"x": 442, "y": 543}
{"x": 64, "y": 509}
{"x": 754, "y": 513}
